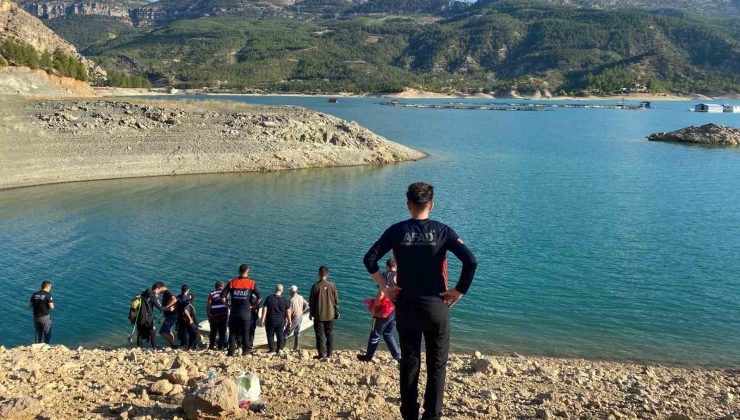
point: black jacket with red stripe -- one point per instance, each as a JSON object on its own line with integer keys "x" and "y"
{"x": 243, "y": 292}
{"x": 420, "y": 250}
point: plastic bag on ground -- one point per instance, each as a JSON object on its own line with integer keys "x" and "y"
{"x": 249, "y": 388}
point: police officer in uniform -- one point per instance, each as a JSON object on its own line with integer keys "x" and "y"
{"x": 238, "y": 293}
{"x": 42, "y": 303}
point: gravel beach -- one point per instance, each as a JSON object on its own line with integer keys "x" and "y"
{"x": 58, "y": 383}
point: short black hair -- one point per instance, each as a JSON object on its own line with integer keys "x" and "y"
{"x": 219, "y": 284}
{"x": 45, "y": 284}
{"x": 391, "y": 262}
{"x": 420, "y": 194}
{"x": 158, "y": 285}
{"x": 243, "y": 268}
{"x": 323, "y": 271}
{"x": 184, "y": 288}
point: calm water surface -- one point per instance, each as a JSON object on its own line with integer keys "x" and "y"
{"x": 592, "y": 241}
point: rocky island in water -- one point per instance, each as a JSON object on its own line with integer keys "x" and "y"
{"x": 49, "y": 141}
{"x": 709, "y": 134}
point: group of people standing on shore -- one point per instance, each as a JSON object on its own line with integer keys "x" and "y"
{"x": 413, "y": 294}
{"x": 238, "y": 306}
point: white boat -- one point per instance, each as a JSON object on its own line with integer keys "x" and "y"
{"x": 260, "y": 337}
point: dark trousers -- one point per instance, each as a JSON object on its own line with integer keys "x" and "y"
{"x": 428, "y": 318}
{"x": 218, "y": 329}
{"x": 182, "y": 333}
{"x": 42, "y": 325}
{"x": 272, "y": 332}
{"x": 383, "y": 327}
{"x": 146, "y": 333}
{"x": 253, "y": 328}
{"x": 324, "y": 337}
{"x": 193, "y": 335}
{"x": 239, "y": 330}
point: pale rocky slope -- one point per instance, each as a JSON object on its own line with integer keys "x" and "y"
{"x": 58, "y": 383}
{"x": 52, "y": 141}
{"x": 26, "y": 81}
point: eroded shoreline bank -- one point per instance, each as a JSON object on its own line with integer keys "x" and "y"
{"x": 53, "y": 141}
{"x": 127, "y": 383}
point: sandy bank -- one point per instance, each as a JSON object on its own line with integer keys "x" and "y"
{"x": 422, "y": 94}
{"x": 120, "y": 384}
{"x": 52, "y": 141}
{"x": 26, "y": 81}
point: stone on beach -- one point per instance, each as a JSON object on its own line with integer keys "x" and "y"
{"x": 161, "y": 387}
{"x": 23, "y": 408}
{"x": 487, "y": 366}
{"x": 215, "y": 398}
{"x": 94, "y": 383}
{"x": 177, "y": 376}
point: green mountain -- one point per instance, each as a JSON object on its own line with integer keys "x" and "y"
{"x": 490, "y": 46}
{"x": 702, "y": 7}
{"x": 409, "y": 6}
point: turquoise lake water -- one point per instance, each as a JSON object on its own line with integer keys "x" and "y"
{"x": 592, "y": 241}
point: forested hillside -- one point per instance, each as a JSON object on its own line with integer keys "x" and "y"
{"x": 488, "y": 47}
{"x": 725, "y": 8}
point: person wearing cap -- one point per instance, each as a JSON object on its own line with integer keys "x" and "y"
{"x": 298, "y": 306}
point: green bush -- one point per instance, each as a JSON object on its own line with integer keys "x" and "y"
{"x": 22, "y": 54}
{"x": 118, "y": 79}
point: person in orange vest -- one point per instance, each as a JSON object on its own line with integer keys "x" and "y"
{"x": 237, "y": 296}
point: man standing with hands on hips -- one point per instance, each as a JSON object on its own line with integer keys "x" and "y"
{"x": 423, "y": 299}
{"x": 41, "y": 303}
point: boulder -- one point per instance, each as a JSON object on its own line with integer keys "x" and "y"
{"x": 177, "y": 376}
{"x": 39, "y": 347}
{"x": 483, "y": 365}
{"x": 679, "y": 416}
{"x": 183, "y": 361}
{"x": 20, "y": 408}
{"x": 544, "y": 414}
{"x": 216, "y": 398}
{"x": 728, "y": 397}
{"x": 161, "y": 387}
{"x": 374, "y": 399}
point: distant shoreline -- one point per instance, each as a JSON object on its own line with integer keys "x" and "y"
{"x": 418, "y": 94}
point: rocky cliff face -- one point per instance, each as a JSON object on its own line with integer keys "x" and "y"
{"x": 16, "y": 23}
{"x": 711, "y": 134}
{"x": 143, "y": 13}
{"x": 54, "y": 9}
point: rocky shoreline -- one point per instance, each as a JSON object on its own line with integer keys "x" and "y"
{"x": 88, "y": 139}
{"x": 707, "y": 134}
{"x": 39, "y": 381}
